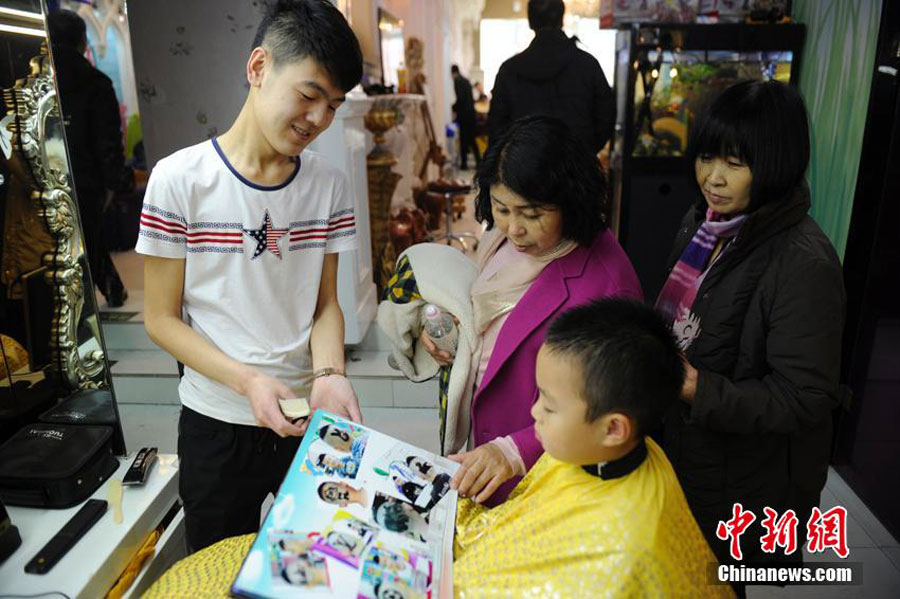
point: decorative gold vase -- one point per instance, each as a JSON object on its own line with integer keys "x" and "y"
{"x": 383, "y": 115}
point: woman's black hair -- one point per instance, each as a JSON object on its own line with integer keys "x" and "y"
{"x": 296, "y": 29}
{"x": 765, "y": 125}
{"x": 542, "y": 161}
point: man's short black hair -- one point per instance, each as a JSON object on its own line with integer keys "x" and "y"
{"x": 628, "y": 357}
{"x": 454, "y": 69}
{"x": 321, "y": 490}
{"x": 66, "y": 29}
{"x": 545, "y": 13}
{"x": 296, "y": 29}
{"x": 540, "y": 159}
{"x": 765, "y": 125}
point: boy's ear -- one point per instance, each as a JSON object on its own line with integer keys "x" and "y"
{"x": 618, "y": 429}
{"x": 256, "y": 65}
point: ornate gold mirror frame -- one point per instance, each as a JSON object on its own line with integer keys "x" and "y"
{"x": 34, "y": 103}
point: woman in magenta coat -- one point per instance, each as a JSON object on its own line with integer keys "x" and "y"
{"x": 542, "y": 195}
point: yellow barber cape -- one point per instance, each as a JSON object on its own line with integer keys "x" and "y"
{"x": 567, "y": 534}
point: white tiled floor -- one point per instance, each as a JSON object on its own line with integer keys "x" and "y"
{"x": 870, "y": 543}
{"x": 143, "y": 362}
{"x": 893, "y": 554}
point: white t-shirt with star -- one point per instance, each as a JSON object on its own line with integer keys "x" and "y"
{"x": 253, "y": 261}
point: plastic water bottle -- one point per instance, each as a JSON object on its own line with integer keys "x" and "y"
{"x": 441, "y": 328}
{"x": 451, "y": 132}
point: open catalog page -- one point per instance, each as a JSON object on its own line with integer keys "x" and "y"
{"x": 360, "y": 515}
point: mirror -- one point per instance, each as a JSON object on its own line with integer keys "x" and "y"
{"x": 390, "y": 39}
{"x": 54, "y": 366}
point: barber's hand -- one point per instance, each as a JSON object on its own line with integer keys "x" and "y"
{"x": 442, "y": 357}
{"x": 483, "y": 470}
{"x": 335, "y": 394}
{"x": 263, "y": 392}
{"x": 689, "y": 388}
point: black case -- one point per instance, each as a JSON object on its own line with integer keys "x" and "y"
{"x": 9, "y": 535}
{"x": 90, "y": 406}
{"x": 55, "y": 465}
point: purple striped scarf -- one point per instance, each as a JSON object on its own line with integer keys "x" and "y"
{"x": 677, "y": 295}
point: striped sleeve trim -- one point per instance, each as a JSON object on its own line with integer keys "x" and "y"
{"x": 213, "y": 237}
{"x": 168, "y": 226}
{"x": 163, "y": 213}
{"x": 339, "y": 224}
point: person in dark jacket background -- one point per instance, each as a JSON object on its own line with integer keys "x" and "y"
{"x": 94, "y": 137}
{"x": 553, "y": 77}
{"x": 757, "y": 301}
{"x": 465, "y": 117}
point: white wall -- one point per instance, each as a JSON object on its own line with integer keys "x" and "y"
{"x": 189, "y": 60}
{"x": 430, "y": 21}
{"x": 189, "y": 64}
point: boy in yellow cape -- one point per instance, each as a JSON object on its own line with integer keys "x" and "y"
{"x": 601, "y": 513}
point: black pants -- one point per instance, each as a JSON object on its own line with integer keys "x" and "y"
{"x": 103, "y": 272}
{"x": 467, "y": 142}
{"x": 225, "y": 474}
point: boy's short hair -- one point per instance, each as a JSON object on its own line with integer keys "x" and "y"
{"x": 628, "y": 356}
{"x": 296, "y": 29}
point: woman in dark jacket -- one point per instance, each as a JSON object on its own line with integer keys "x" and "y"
{"x": 756, "y": 299}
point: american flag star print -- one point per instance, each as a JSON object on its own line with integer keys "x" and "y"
{"x": 266, "y": 237}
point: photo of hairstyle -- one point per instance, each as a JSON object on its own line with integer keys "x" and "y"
{"x": 292, "y": 561}
{"x": 346, "y": 538}
{"x": 389, "y": 572}
{"x": 400, "y": 516}
{"x": 324, "y": 459}
{"x": 419, "y": 480}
